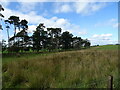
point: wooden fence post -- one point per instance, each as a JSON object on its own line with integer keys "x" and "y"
{"x": 110, "y": 83}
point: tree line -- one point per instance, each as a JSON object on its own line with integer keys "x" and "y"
{"x": 41, "y": 39}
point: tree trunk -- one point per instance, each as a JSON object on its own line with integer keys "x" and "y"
{"x": 8, "y": 36}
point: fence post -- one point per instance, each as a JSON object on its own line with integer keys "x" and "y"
{"x": 110, "y": 83}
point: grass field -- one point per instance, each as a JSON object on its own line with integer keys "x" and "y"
{"x": 70, "y": 69}
{"x": 107, "y": 47}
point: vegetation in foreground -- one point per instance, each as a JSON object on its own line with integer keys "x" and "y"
{"x": 76, "y": 69}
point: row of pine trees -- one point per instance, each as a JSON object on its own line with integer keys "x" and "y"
{"x": 41, "y": 39}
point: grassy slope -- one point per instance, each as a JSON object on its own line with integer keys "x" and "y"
{"x": 64, "y": 69}
{"x": 107, "y": 47}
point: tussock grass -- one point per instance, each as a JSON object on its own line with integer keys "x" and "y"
{"x": 76, "y": 69}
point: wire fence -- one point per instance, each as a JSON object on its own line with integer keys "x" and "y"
{"x": 108, "y": 82}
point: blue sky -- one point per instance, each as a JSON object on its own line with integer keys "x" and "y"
{"x": 96, "y": 21}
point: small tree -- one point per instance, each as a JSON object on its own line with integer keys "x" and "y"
{"x": 66, "y": 40}
{"x": 23, "y": 33}
{"x": 15, "y": 21}
{"x": 76, "y": 42}
{"x": 87, "y": 43}
{"x": 54, "y": 34}
{"x": 39, "y": 37}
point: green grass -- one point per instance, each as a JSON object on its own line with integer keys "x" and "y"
{"x": 70, "y": 69}
{"x": 17, "y": 57}
{"x": 107, "y": 47}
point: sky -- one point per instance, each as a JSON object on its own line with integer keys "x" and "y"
{"x": 96, "y": 21}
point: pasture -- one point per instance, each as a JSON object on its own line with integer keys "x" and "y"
{"x": 69, "y": 69}
{"x": 107, "y": 47}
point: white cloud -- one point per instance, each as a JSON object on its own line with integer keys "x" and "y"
{"x": 101, "y": 35}
{"x": 88, "y": 8}
{"x": 34, "y": 19}
{"x": 82, "y": 32}
{"x": 102, "y": 39}
{"x": 65, "y": 8}
{"x": 31, "y": 28}
{"x": 113, "y": 20}
{"x": 111, "y": 23}
{"x": 103, "y": 42}
{"x": 62, "y": 8}
{"x": 26, "y": 6}
{"x": 31, "y": 17}
{"x": 4, "y": 3}
{"x": 116, "y": 25}
{"x": 83, "y": 8}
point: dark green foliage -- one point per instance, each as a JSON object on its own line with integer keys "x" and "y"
{"x": 54, "y": 34}
{"x": 77, "y": 42}
{"x": 50, "y": 40}
{"x": 15, "y": 21}
{"x": 87, "y": 43}
{"x": 39, "y": 37}
{"x": 66, "y": 40}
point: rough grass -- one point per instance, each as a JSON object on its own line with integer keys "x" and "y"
{"x": 76, "y": 69}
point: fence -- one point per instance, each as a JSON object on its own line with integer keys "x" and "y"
{"x": 108, "y": 81}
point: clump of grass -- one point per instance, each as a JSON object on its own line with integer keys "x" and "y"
{"x": 76, "y": 69}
